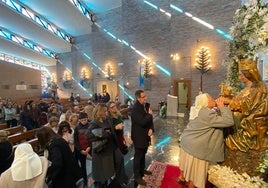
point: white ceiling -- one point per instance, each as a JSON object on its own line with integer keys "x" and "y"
{"x": 59, "y": 12}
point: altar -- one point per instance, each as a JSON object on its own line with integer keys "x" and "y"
{"x": 172, "y": 106}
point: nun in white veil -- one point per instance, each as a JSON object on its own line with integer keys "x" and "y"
{"x": 202, "y": 140}
{"x": 27, "y": 169}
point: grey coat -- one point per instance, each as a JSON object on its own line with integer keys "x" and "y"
{"x": 203, "y": 136}
{"x": 103, "y": 158}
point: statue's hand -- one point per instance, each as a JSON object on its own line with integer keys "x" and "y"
{"x": 219, "y": 102}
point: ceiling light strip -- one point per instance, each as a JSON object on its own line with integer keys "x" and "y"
{"x": 30, "y": 45}
{"x": 82, "y": 8}
{"x": 157, "y": 8}
{"x": 224, "y": 34}
{"x": 191, "y": 16}
{"x": 37, "y": 19}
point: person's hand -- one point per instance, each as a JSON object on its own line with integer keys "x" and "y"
{"x": 219, "y": 102}
{"x": 85, "y": 152}
{"x": 89, "y": 156}
{"x": 150, "y": 132}
{"x": 119, "y": 126}
{"x": 150, "y": 111}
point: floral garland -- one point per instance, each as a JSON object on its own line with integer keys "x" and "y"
{"x": 250, "y": 36}
{"x": 223, "y": 176}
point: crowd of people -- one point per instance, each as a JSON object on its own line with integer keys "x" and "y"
{"x": 68, "y": 139}
{"x": 96, "y": 131}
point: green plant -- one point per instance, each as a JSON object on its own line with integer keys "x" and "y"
{"x": 264, "y": 165}
{"x": 250, "y": 36}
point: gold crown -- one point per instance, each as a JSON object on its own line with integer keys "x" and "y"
{"x": 247, "y": 64}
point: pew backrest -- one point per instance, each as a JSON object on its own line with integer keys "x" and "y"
{"x": 22, "y": 137}
{"x": 3, "y": 126}
{"x": 14, "y": 130}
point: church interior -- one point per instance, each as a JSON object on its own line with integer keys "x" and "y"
{"x": 173, "y": 50}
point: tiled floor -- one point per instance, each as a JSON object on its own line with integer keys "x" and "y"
{"x": 165, "y": 145}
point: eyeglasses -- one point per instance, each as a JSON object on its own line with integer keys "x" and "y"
{"x": 143, "y": 96}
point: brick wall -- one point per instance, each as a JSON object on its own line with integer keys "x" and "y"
{"x": 14, "y": 75}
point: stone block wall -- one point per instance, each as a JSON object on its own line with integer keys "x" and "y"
{"x": 157, "y": 36}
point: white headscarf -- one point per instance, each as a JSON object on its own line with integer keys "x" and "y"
{"x": 201, "y": 101}
{"x": 27, "y": 164}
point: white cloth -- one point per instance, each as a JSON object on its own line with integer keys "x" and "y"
{"x": 201, "y": 101}
{"x": 172, "y": 105}
{"x": 27, "y": 164}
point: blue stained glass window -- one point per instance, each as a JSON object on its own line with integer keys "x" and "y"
{"x": 14, "y": 5}
{"x": 41, "y": 21}
{"x": 6, "y": 34}
{"x": 28, "y": 44}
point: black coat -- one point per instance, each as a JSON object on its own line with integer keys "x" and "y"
{"x": 141, "y": 122}
{"x": 6, "y": 155}
{"x": 64, "y": 169}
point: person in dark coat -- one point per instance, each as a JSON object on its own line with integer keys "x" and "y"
{"x": 142, "y": 128}
{"x": 103, "y": 144}
{"x": 26, "y": 116}
{"x": 64, "y": 170}
{"x": 6, "y": 152}
{"x": 81, "y": 144}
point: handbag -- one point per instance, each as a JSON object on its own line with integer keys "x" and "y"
{"x": 101, "y": 141}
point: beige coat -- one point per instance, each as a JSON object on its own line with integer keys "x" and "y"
{"x": 6, "y": 180}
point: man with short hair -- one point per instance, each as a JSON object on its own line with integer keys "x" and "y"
{"x": 142, "y": 128}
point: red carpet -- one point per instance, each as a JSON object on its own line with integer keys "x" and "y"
{"x": 164, "y": 176}
{"x": 171, "y": 174}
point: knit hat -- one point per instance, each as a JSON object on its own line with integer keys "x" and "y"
{"x": 82, "y": 115}
{"x": 3, "y": 135}
{"x": 27, "y": 164}
{"x": 201, "y": 101}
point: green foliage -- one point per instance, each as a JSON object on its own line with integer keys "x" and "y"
{"x": 203, "y": 60}
{"x": 264, "y": 165}
{"x": 147, "y": 68}
{"x": 250, "y": 36}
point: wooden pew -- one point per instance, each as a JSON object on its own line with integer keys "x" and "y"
{"x": 3, "y": 126}
{"x": 35, "y": 144}
{"x": 14, "y": 130}
{"x": 22, "y": 137}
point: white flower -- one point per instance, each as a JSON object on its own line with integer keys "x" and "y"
{"x": 227, "y": 178}
{"x": 265, "y": 26}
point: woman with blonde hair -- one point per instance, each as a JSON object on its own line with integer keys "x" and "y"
{"x": 118, "y": 124}
{"x": 106, "y": 156}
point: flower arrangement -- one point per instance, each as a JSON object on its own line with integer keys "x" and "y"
{"x": 264, "y": 165}
{"x": 223, "y": 176}
{"x": 250, "y": 36}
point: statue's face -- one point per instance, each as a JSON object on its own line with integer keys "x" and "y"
{"x": 242, "y": 77}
